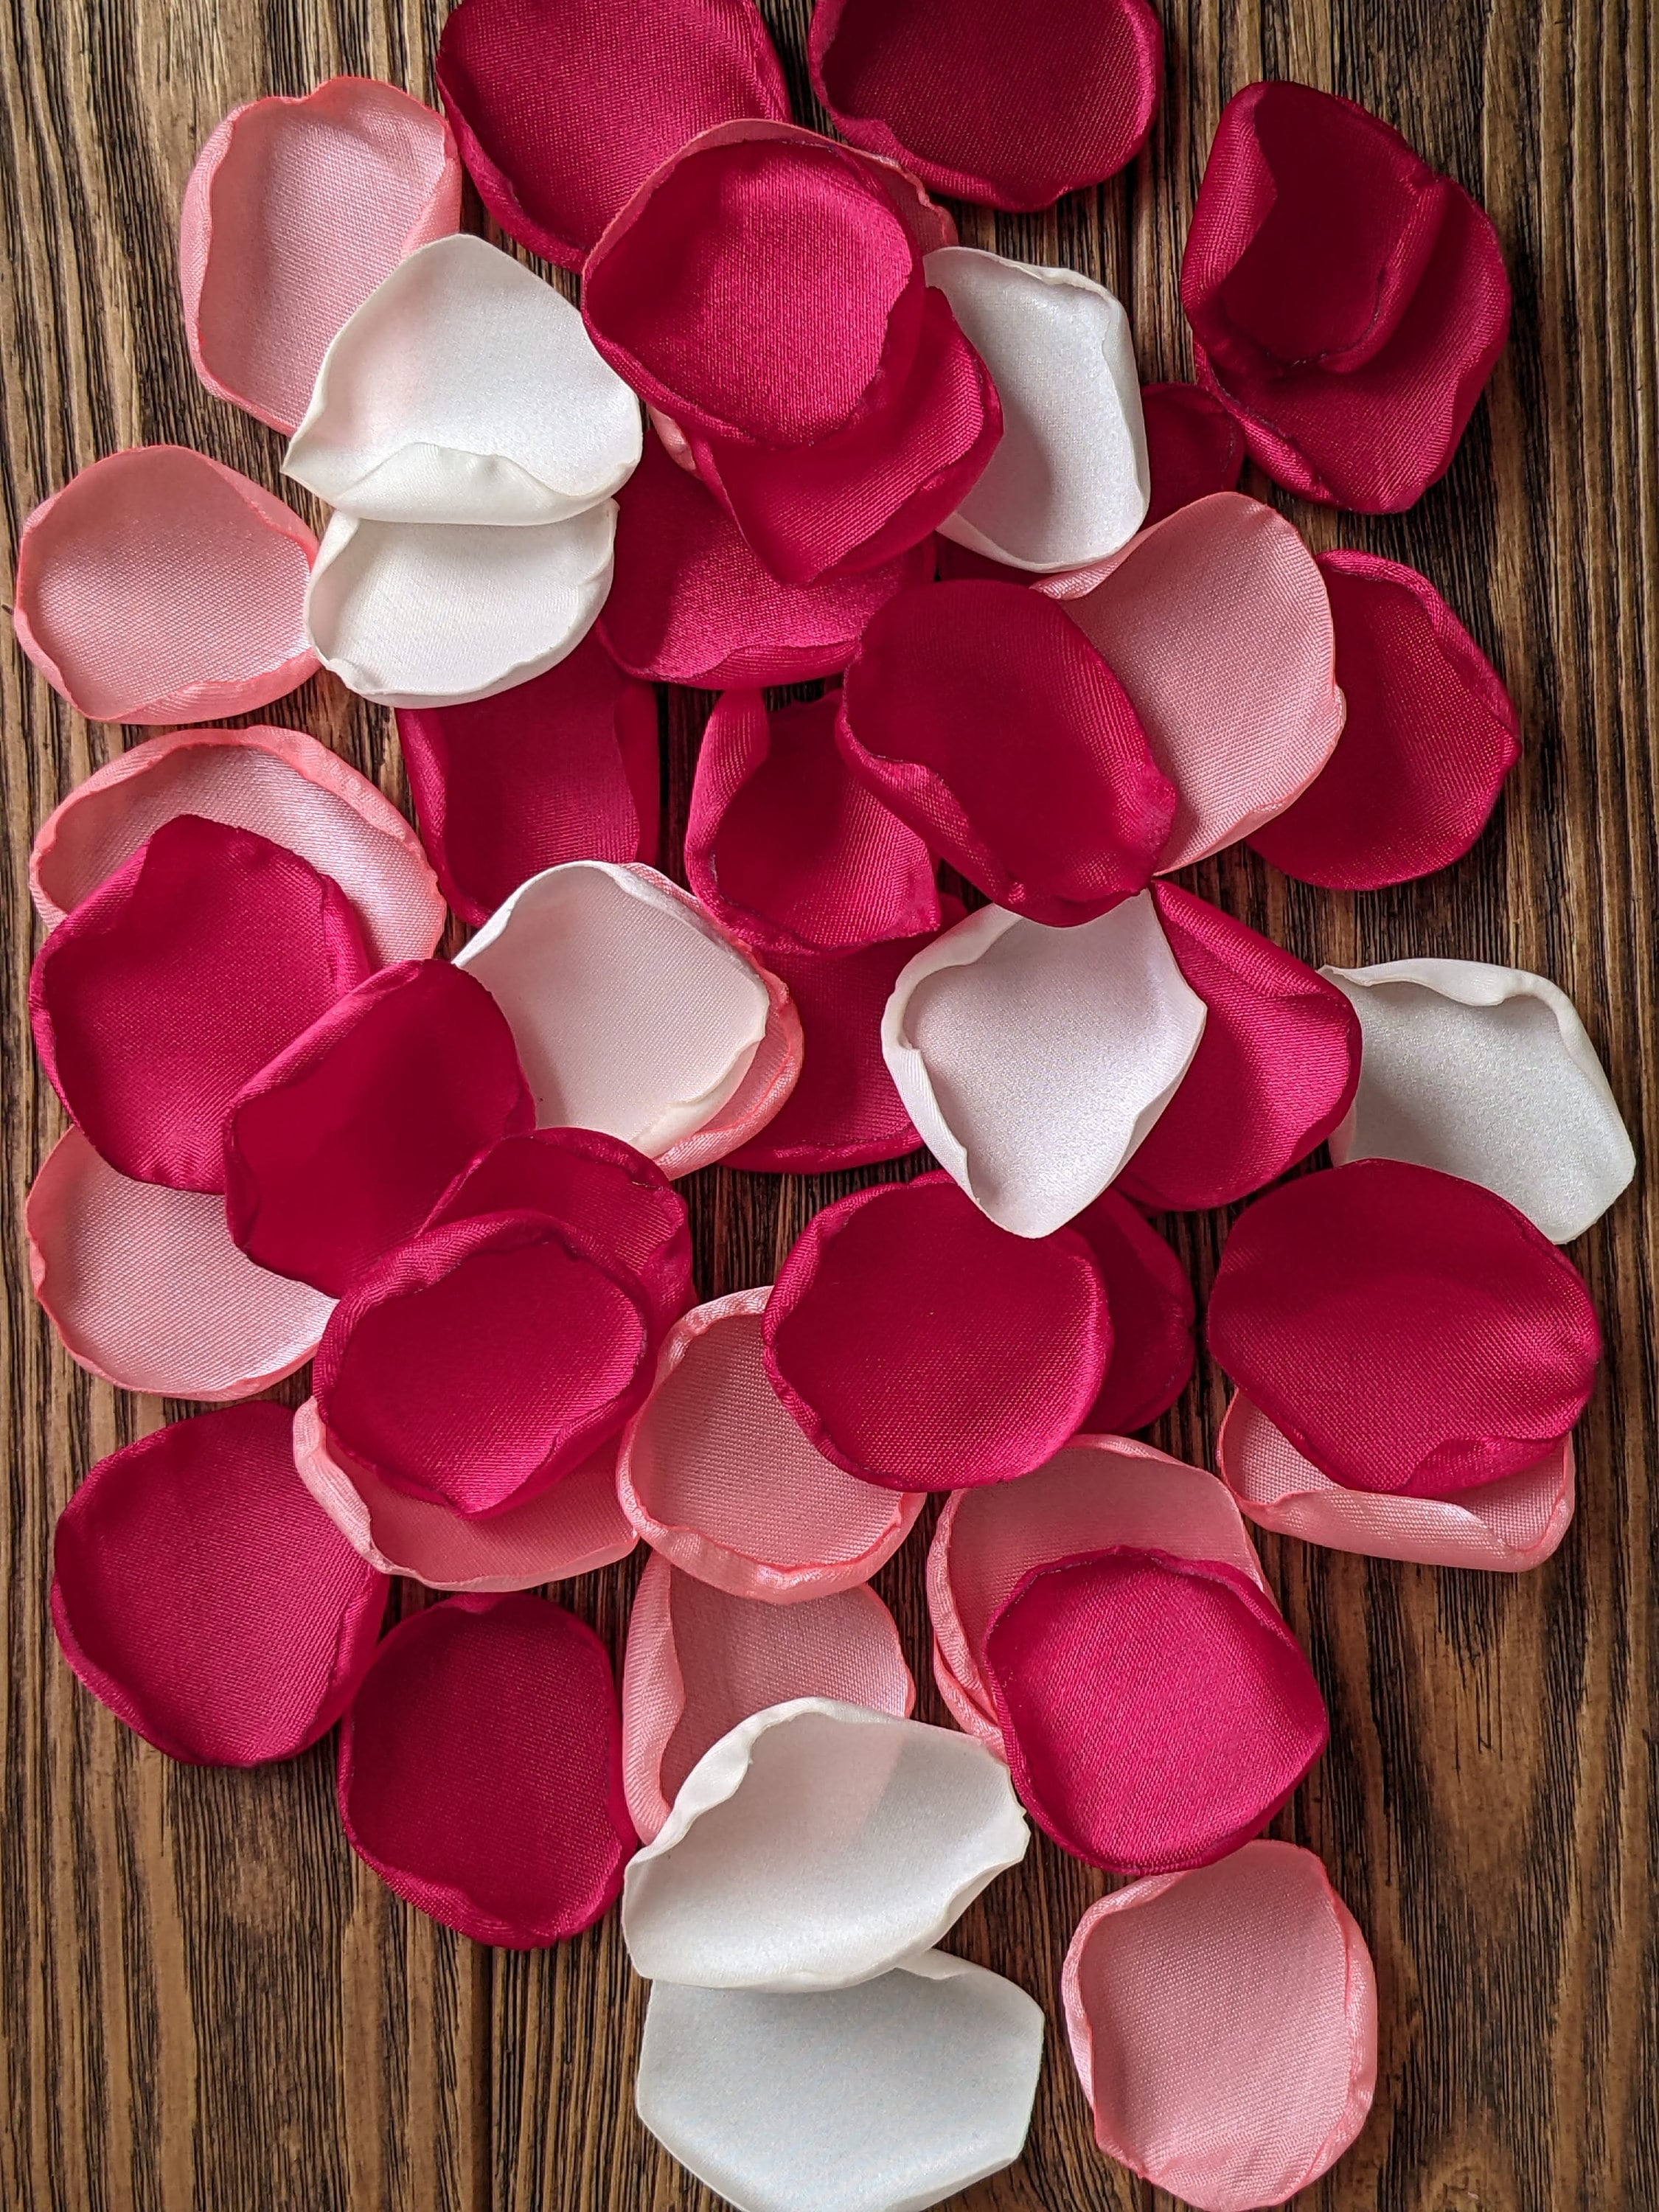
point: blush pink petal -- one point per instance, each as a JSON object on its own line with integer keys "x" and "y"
{"x": 160, "y": 586}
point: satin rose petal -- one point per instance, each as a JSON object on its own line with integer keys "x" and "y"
{"x": 1098, "y": 1492}
{"x": 146, "y": 1290}
{"x": 700, "y": 1659}
{"x": 205, "y": 953}
{"x": 1487, "y": 1073}
{"x": 1506, "y": 1526}
{"x": 1273, "y": 1074}
{"x": 1035, "y": 1060}
{"x": 199, "y": 1593}
{"x": 552, "y": 770}
{"x": 1408, "y": 1331}
{"x": 786, "y": 849}
{"x": 1194, "y": 446}
{"x": 958, "y": 564}
{"x": 466, "y": 390}
{"x": 983, "y": 718}
{"x": 562, "y": 107}
{"x": 571, "y": 1529}
{"x": 692, "y": 603}
{"x": 294, "y": 211}
{"x": 884, "y": 2097}
{"x": 1431, "y": 733}
{"x": 160, "y": 586}
{"x": 1348, "y": 303}
{"x": 1068, "y": 484}
{"x": 480, "y": 1770}
{"x": 816, "y": 1846}
{"x": 281, "y": 784}
{"x": 920, "y": 1346}
{"x": 1009, "y": 109}
{"x": 718, "y": 1478}
{"x": 339, "y": 1147}
{"x": 1222, "y": 2023}
{"x": 1149, "y": 1295}
{"x": 1217, "y": 619}
{"x": 479, "y": 1363}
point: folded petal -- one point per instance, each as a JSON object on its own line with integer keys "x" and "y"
{"x": 466, "y": 390}
{"x": 1068, "y": 484}
{"x": 1217, "y": 619}
{"x": 1149, "y": 1295}
{"x": 480, "y": 1770}
{"x": 564, "y": 768}
{"x": 295, "y": 210}
{"x": 1005, "y": 109}
{"x": 788, "y": 849}
{"x": 759, "y": 1099}
{"x": 985, "y": 719}
{"x": 1194, "y": 446}
{"x": 145, "y": 1288}
{"x": 1505, "y": 1526}
{"x": 700, "y": 1659}
{"x": 1487, "y": 1073}
{"x": 160, "y": 586}
{"x": 882, "y": 2098}
{"x": 1430, "y": 735}
{"x": 920, "y": 1346}
{"x": 1408, "y": 1331}
{"x": 1035, "y": 1060}
{"x": 717, "y": 1476}
{"x": 562, "y": 107}
{"x": 1224, "y": 2025}
{"x": 173, "y": 982}
{"x": 816, "y": 1846}
{"x": 1273, "y": 1074}
{"x": 200, "y": 1595}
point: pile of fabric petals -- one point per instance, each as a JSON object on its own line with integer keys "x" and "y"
{"x": 795, "y": 434}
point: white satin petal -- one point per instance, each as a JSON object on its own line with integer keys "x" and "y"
{"x": 817, "y": 1844}
{"x": 1484, "y": 1072}
{"x": 434, "y": 614}
{"x": 1034, "y": 1061}
{"x": 1069, "y": 482}
{"x": 632, "y": 1013}
{"x": 885, "y": 2098}
{"x": 465, "y": 389}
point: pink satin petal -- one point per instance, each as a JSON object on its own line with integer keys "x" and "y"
{"x": 1224, "y": 2025}
{"x": 571, "y": 1529}
{"x": 1506, "y": 1526}
{"x": 294, "y": 213}
{"x": 1217, "y": 619}
{"x": 146, "y": 1290}
{"x": 716, "y": 1476}
{"x": 700, "y": 1659}
{"x": 280, "y": 783}
{"x": 160, "y": 586}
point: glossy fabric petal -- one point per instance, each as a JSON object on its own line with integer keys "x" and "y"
{"x": 1273, "y": 1074}
{"x": 1335, "y": 1286}
{"x": 480, "y": 1770}
{"x": 200, "y": 1595}
{"x": 816, "y": 1846}
{"x": 295, "y": 210}
{"x": 1149, "y": 1295}
{"x": 176, "y": 980}
{"x": 1487, "y": 1073}
{"x": 1430, "y": 735}
{"x": 1035, "y": 1060}
{"x": 1217, "y": 619}
{"x": 160, "y": 586}
{"x": 717, "y": 1476}
{"x": 984, "y": 719}
{"x": 1194, "y": 446}
{"x": 923, "y": 1347}
{"x": 1224, "y": 2025}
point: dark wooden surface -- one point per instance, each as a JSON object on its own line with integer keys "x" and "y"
{"x": 205, "y": 2001}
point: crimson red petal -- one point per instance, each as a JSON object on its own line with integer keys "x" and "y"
{"x": 1192, "y": 445}
{"x": 480, "y": 1770}
{"x": 959, "y": 564}
{"x": 205, "y": 1598}
{"x": 1149, "y": 1295}
{"x": 1409, "y": 1331}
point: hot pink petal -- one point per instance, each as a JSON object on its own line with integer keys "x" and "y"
{"x": 1194, "y": 446}
{"x": 1149, "y": 1295}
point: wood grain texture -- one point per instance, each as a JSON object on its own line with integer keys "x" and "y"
{"x": 206, "y": 2003}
